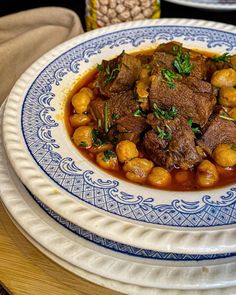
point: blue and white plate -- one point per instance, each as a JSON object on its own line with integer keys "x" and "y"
{"x": 132, "y": 270}
{"x": 207, "y": 4}
{"x": 46, "y": 161}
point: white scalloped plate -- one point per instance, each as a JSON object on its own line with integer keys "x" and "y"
{"x": 113, "y": 270}
{"x": 44, "y": 158}
{"x": 207, "y": 4}
{"x": 125, "y": 287}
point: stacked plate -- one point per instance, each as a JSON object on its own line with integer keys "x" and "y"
{"x": 221, "y": 5}
{"x": 133, "y": 239}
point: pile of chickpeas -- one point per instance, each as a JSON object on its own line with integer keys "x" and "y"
{"x": 127, "y": 157}
{"x": 106, "y": 12}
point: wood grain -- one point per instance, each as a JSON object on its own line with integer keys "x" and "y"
{"x": 24, "y": 270}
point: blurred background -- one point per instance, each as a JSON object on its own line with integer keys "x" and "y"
{"x": 167, "y": 9}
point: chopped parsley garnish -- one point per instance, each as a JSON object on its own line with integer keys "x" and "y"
{"x": 224, "y": 57}
{"x": 99, "y": 67}
{"x": 97, "y": 138}
{"x": 163, "y": 135}
{"x": 106, "y": 117}
{"x": 108, "y": 154}
{"x": 196, "y": 130}
{"x": 182, "y": 62}
{"x": 169, "y": 114}
{"x": 138, "y": 113}
{"x": 169, "y": 77}
{"x": 115, "y": 116}
{"x": 234, "y": 68}
{"x": 233, "y": 147}
{"x": 83, "y": 144}
{"x": 226, "y": 118}
{"x": 111, "y": 73}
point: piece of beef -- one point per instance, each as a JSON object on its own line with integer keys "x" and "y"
{"x": 198, "y": 62}
{"x": 191, "y": 97}
{"x": 179, "y": 151}
{"x": 118, "y": 105}
{"x": 165, "y": 55}
{"x": 216, "y": 132}
{"x": 131, "y": 128}
{"x": 122, "y": 104}
{"x": 118, "y": 75}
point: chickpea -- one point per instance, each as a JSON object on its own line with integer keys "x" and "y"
{"x": 182, "y": 176}
{"x": 81, "y": 100}
{"x": 126, "y": 150}
{"x": 232, "y": 113}
{"x": 82, "y": 136}
{"x": 107, "y": 160}
{"x": 227, "y": 96}
{"x": 141, "y": 88}
{"x": 144, "y": 74}
{"x": 138, "y": 169}
{"x": 77, "y": 120}
{"x": 233, "y": 60}
{"x": 159, "y": 177}
{"x": 225, "y": 77}
{"x": 207, "y": 174}
{"x": 224, "y": 155}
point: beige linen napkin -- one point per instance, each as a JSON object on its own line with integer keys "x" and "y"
{"x": 26, "y": 35}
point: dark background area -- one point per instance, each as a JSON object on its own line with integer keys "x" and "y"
{"x": 167, "y": 9}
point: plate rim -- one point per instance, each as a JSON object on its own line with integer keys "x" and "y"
{"x": 164, "y": 236}
{"x": 210, "y": 6}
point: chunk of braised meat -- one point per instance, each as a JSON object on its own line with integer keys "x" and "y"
{"x": 192, "y": 97}
{"x": 122, "y": 104}
{"x": 118, "y": 75}
{"x": 131, "y": 128}
{"x": 218, "y": 130}
{"x": 165, "y": 55}
{"x": 118, "y": 106}
{"x": 178, "y": 149}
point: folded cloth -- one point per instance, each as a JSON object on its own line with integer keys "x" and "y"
{"x": 26, "y": 35}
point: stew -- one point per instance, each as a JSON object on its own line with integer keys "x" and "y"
{"x": 165, "y": 118}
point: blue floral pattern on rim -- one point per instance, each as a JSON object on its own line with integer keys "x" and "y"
{"x": 37, "y": 125}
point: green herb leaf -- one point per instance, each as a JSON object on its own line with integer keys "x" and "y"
{"x": 234, "y": 68}
{"x": 163, "y": 135}
{"x": 111, "y": 74}
{"x": 169, "y": 77}
{"x": 97, "y": 138}
{"x": 115, "y": 116}
{"x": 99, "y": 67}
{"x": 226, "y": 118}
{"x": 196, "y": 130}
{"x": 169, "y": 114}
{"x": 233, "y": 147}
{"x": 106, "y": 117}
{"x": 224, "y": 57}
{"x": 138, "y": 113}
{"x": 83, "y": 144}
{"x": 108, "y": 154}
{"x": 182, "y": 62}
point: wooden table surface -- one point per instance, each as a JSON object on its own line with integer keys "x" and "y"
{"x": 24, "y": 270}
